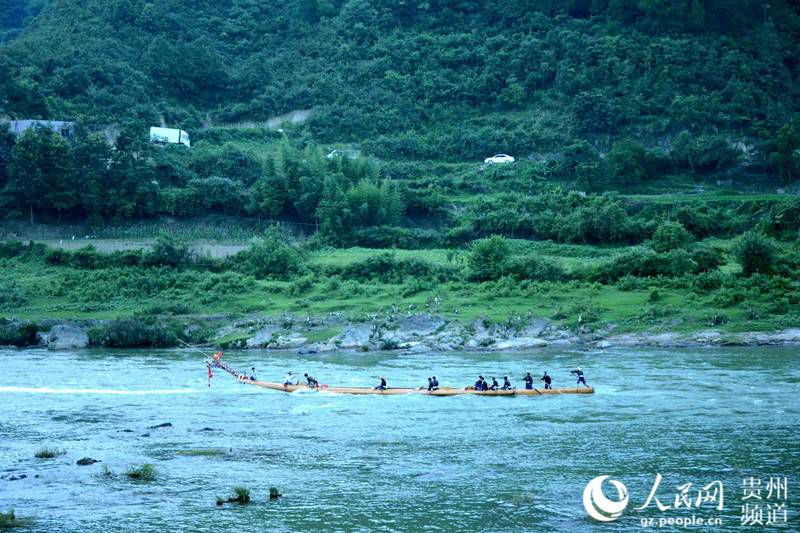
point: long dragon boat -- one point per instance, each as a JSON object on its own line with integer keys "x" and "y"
{"x": 441, "y": 391}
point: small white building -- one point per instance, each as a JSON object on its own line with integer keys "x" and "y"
{"x": 169, "y": 136}
{"x": 63, "y": 128}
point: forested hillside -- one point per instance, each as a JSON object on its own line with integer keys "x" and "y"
{"x": 657, "y": 149}
{"x": 433, "y": 79}
{"x": 590, "y": 95}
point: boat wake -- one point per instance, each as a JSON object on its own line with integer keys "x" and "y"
{"x": 47, "y": 390}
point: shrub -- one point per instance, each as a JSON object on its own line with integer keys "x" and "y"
{"x": 145, "y": 472}
{"x": 135, "y": 333}
{"x": 242, "y": 494}
{"x": 48, "y": 453}
{"x": 670, "y": 236}
{"x": 9, "y": 249}
{"x": 167, "y": 251}
{"x": 531, "y": 267}
{"x": 270, "y": 257}
{"x": 11, "y": 295}
{"x": 301, "y": 285}
{"x": 756, "y": 253}
{"x": 386, "y": 268}
{"x": 488, "y": 258}
{"x": 708, "y": 281}
{"x": 645, "y": 263}
{"x": 706, "y": 258}
{"x": 727, "y": 297}
{"x": 20, "y": 334}
{"x": 9, "y": 520}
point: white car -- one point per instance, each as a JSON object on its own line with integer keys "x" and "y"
{"x": 499, "y": 158}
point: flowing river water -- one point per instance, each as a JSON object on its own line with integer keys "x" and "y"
{"x": 411, "y": 462}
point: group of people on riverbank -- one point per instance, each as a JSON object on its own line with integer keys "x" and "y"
{"x": 433, "y": 384}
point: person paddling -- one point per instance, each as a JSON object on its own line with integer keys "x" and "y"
{"x": 381, "y": 385}
{"x": 494, "y": 385}
{"x": 528, "y": 381}
{"x": 435, "y": 383}
{"x": 581, "y": 379}
{"x": 430, "y": 384}
{"x": 311, "y": 381}
{"x": 479, "y": 384}
{"x": 253, "y": 374}
{"x": 547, "y": 380}
{"x": 288, "y": 379}
{"x": 506, "y": 384}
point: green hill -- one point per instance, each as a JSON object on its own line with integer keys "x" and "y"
{"x": 657, "y": 149}
{"x": 432, "y": 79}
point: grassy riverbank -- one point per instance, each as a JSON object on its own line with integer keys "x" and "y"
{"x": 580, "y": 289}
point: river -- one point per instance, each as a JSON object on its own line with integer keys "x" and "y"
{"x": 396, "y": 462}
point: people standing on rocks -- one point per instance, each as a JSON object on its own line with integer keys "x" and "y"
{"x": 382, "y": 384}
{"x": 288, "y": 379}
{"x": 506, "y": 384}
{"x": 579, "y": 373}
{"x": 311, "y": 381}
{"x": 528, "y": 381}
{"x": 547, "y": 380}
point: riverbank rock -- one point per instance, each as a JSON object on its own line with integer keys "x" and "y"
{"x": 419, "y": 325}
{"x": 292, "y": 340}
{"x": 67, "y": 337}
{"x": 519, "y": 343}
{"x": 263, "y": 336}
{"x": 354, "y": 336}
{"x": 86, "y": 461}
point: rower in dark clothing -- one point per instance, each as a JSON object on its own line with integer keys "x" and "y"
{"x": 528, "y": 381}
{"x": 311, "y": 381}
{"x": 435, "y": 383}
{"x": 578, "y": 372}
{"x": 547, "y": 380}
{"x": 381, "y": 385}
{"x": 506, "y": 384}
{"x": 253, "y": 374}
{"x": 494, "y": 385}
{"x": 430, "y": 384}
{"x": 479, "y": 384}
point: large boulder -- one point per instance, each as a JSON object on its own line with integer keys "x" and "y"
{"x": 419, "y": 325}
{"x": 355, "y": 336}
{"x": 292, "y": 340}
{"x": 67, "y": 337}
{"x": 263, "y": 336}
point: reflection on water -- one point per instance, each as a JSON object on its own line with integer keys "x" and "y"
{"x": 394, "y": 462}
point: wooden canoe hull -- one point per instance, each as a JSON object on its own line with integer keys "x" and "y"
{"x": 443, "y": 391}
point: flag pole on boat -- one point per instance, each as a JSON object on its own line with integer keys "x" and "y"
{"x": 208, "y": 361}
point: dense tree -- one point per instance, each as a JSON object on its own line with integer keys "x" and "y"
{"x": 39, "y": 175}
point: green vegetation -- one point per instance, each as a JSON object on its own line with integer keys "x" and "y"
{"x": 202, "y": 452}
{"x": 145, "y": 472}
{"x": 9, "y": 520}
{"x": 241, "y": 495}
{"x": 49, "y": 453}
{"x": 657, "y": 151}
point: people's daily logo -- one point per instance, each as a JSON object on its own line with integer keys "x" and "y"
{"x": 598, "y": 506}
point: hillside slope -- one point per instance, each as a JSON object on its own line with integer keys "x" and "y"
{"x": 429, "y": 79}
